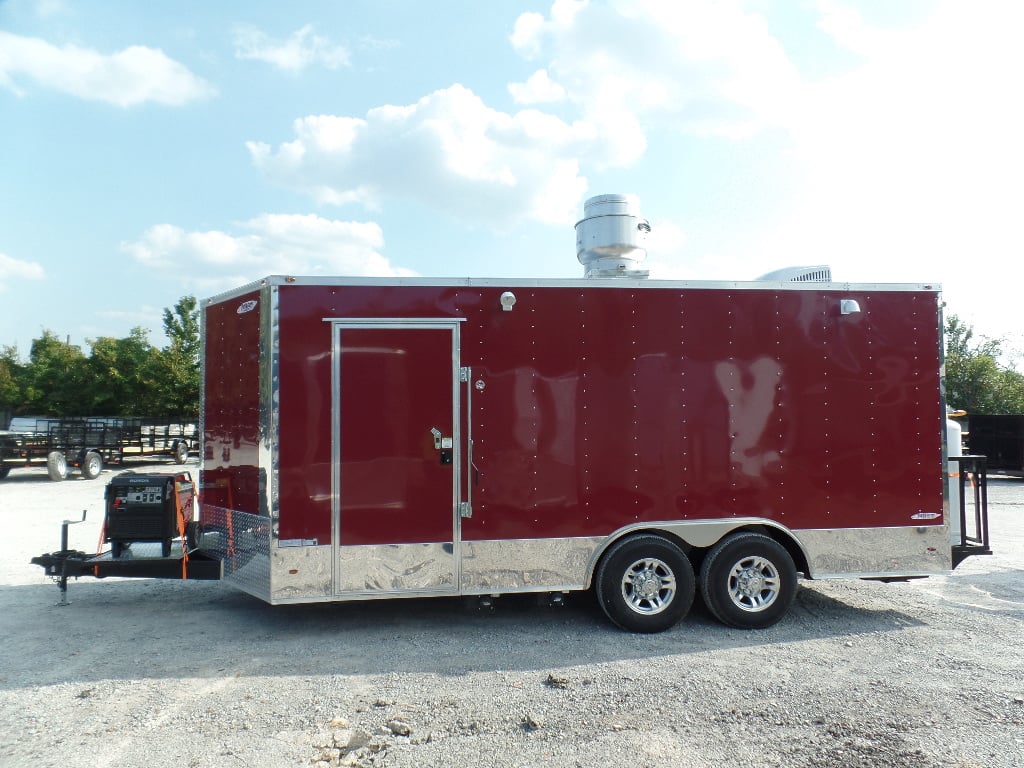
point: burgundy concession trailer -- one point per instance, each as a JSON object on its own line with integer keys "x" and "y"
{"x": 371, "y": 438}
{"x": 381, "y": 438}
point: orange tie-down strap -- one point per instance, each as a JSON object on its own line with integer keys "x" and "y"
{"x": 99, "y": 546}
{"x": 181, "y": 530}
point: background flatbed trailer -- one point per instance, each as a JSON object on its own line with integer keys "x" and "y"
{"x": 88, "y": 443}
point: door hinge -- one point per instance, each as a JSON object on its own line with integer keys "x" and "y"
{"x": 465, "y": 509}
{"x": 464, "y": 373}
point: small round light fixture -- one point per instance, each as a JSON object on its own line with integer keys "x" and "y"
{"x": 508, "y": 300}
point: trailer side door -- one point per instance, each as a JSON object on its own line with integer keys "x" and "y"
{"x": 396, "y": 456}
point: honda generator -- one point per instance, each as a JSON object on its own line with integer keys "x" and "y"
{"x": 147, "y": 507}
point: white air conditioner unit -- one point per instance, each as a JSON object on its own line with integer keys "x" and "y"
{"x": 821, "y": 273}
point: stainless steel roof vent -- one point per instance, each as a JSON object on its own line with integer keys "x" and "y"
{"x": 611, "y": 237}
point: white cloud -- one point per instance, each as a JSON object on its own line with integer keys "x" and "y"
{"x": 707, "y": 67}
{"x": 449, "y": 150}
{"x": 299, "y": 51}
{"x": 127, "y": 78}
{"x": 538, "y": 88}
{"x": 710, "y": 68}
{"x": 910, "y": 163}
{"x": 845, "y": 25}
{"x": 297, "y": 244}
{"x": 12, "y": 269}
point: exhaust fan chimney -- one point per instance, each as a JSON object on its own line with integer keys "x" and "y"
{"x": 611, "y": 237}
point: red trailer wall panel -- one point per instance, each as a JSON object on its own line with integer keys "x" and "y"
{"x": 231, "y": 404}
{"x": 608, "y": 405}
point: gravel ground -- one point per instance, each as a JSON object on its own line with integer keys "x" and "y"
{"x": 922, "y": 674}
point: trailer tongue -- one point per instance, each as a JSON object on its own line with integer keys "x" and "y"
{"x": 148, "y": 523}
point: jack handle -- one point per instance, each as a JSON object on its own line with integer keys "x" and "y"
{"x": 62, "y": 580}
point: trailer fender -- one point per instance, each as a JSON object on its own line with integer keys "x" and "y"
{"x": 697, "y": 537}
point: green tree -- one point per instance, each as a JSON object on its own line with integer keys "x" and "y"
{"x": 57, "y": 378}
{"x": 12, "y": 373}
{"x": 122, "y": 370}
{"x": 976, "y": 381}
{"x": 120, "y": 377}
{"x": 176, "y": 368}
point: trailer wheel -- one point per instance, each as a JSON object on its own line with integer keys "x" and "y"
{"x": 180, "y": 452}
{"x": 56, "y": 465}
{"x": 645, "y": 584}
{"x": 92, "y": 465}
{"x": 748, "y": 581}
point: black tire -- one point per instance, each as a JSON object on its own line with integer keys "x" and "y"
{"x": 92, "y": 465}
{"x": 748, "y": 581}
{"x": 180, "y": 452}
{"x": 645, "y": 584}
{"x": 57, "y": 465}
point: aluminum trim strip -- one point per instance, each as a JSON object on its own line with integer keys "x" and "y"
{"x": 497, "y": 566}
{"x": 301, "y": 572}
{"x": 610, "y": 283}
{"x": 392, "y": 569}
{"x": 269, "y": 440}
{"x": 395, "y": 322}
{"x": 853, "y": 552}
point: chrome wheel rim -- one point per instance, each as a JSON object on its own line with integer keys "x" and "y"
{"x": 648, "y": 586}
{"x": 754, "y": 584}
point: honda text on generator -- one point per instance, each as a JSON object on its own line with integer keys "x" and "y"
{"x": 384, "y": 438}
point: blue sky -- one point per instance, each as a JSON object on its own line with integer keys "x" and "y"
{"x": 154, "y": 150}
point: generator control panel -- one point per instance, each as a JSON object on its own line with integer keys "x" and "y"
{"x": 150, "y": 494}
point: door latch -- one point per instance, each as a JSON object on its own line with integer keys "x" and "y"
{"x": 445, "y": 446}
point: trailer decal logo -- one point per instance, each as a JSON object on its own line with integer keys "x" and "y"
{"x": 925, "y": 516}
{"x": 246, "y": 306}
